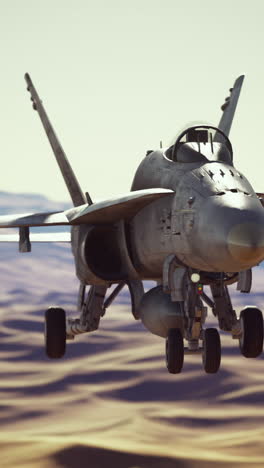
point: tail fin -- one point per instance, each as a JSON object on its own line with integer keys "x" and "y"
{"x": 72, "y": 183}
{"x": 229, "y": 108}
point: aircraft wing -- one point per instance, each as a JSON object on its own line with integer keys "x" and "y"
{"x": 111, "y": 211}
{"x": 61, "y": 237}
{"x": 34, "y": 219}
{"x": 107, "y": 211}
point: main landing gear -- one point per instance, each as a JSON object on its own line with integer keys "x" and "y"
{"x": 55, "y": 332}
{"x": 58, "y": 329}
{"x": 92, "y": 306}
{"x": 251, "y": 337}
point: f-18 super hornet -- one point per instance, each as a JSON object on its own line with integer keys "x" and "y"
{"x": 190, "y": 220}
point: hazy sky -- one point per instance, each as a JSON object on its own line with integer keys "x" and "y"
{"x": 116, "y": 77}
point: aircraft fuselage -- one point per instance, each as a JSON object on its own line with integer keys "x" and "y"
{"x": 214, "y": 221}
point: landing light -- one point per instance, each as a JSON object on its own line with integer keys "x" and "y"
{"x": 195, "y": 277}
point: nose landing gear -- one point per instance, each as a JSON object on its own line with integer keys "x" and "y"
{"x": 174, "y": 351}
{"x": 250, "y": 343}
{"x": 211, "y": 351}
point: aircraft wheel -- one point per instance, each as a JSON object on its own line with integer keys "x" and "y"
{"x": 211, "y": 350}
{"x": 174, "y": 351}
{"x": 251, "y": 341}
{"x": 55, "y": 332}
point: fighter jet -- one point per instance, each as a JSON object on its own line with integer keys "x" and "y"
{"x": 192, "y": 223}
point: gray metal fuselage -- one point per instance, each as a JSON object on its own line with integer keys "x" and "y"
{"x": 214, "y": 222}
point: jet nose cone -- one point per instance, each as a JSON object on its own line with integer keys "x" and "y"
{"x": 230, "y": 233}
{"x": 246, "y": 242}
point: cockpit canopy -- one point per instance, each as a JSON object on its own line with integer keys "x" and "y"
{"x": 201, "y": 143}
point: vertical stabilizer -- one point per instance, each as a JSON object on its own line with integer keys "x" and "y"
{"x": 229, "y": 108}
{"x": 72, "y": 183}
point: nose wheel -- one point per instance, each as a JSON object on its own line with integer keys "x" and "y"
{"x": 251, "y": 340}
{"x": 55, "y": 332}
{"x": 211, "y": 350}
{"x": 174, "y": 351}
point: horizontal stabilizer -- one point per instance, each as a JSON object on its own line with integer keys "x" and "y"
{"x": 111, "y": 211}
{"x": 61, "y": 237}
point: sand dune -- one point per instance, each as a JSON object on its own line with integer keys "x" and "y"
{"x": 112, "y": 392}
{"x": 110, "y": 401}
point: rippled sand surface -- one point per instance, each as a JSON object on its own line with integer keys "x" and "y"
{"x": 110, "y": 402}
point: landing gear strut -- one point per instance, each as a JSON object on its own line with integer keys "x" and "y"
{"x": 92, "y": 306}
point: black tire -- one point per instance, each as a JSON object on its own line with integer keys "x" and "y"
{"x": 55, "y": 332}
{"x": 174, "y": 351}
{"x": 211, "y": 351}
{"x": 251, "y": 341}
